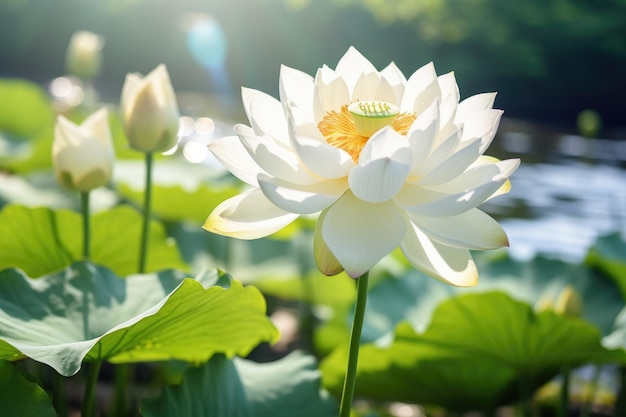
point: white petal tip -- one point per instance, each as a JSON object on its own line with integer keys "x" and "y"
{"x": 219, "y": 226}
{"x": 466, "y": 278}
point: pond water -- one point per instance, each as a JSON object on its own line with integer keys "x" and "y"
{"x": 570, "y": 191}
{"x": 566, "y": 208}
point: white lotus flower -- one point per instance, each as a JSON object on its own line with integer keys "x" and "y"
{"x": 150, "y": 111}
{"x": 82, "y": 155}
{"x": 387, "y": 161}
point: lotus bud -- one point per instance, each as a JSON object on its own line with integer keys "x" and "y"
{"x": 568, "y": 303}
{"x": 83, "y": 57}
{"x": 589, "y": 123}
{"x": 326, "y": 262}
{"x": 82, "y": 155}
{"x": 545, "y": 303}
{"x": 149, "y": 111}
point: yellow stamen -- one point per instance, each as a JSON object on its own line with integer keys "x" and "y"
{"x": 340, "y": 130}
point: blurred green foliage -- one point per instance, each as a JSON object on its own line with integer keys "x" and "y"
{"x": 548, "y": 60}
{"x": 554, "y": 55}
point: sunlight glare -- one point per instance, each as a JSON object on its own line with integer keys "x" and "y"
{"x": 67, "y": 90}
{"x": 195, "y": 152}
{"x": 204, "y": 126}
{"x": 206, "y": 42}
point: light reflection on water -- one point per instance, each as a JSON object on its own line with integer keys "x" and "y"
{"x": 560, "y": 205}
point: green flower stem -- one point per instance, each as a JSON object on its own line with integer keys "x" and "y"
{"x": 122, "y": 370}
{"x": 84, "y": 208}
{"x": 90, "y": 390}
{"x": 353, "y": 349}
{"x": 147, "y": 212}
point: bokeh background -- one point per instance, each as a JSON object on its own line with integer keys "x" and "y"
{"x": 548, "y": 59}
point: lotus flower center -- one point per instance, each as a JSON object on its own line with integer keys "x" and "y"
{"x": 371, "y": 116}
{"x": 351, "y": 127}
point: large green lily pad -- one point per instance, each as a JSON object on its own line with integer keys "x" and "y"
{"x": 41, "y": 240}
{"x": 176, "y": 204}
{"x": 542, "y": 279}
{"x": 474, "y": 355}
{"x": 86, "y": 312}
{"x": 21, "y": 396}
{"x": 411, "y": 296}
{"x": 289, "y": 387}
{"x": 181, "y": 190}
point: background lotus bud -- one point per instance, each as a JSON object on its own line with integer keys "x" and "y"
{"x": 545, "y": 303}
{"x": 149, "y": 111}
{"x": 84, "y": 58}
{"x": 82, "y": 155}
{"x": 568, "y": 303}
{"x": 589, "y": 123}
